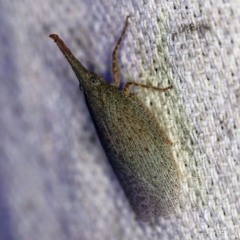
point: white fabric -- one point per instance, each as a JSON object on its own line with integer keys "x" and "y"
{"x": 55, "y": 180}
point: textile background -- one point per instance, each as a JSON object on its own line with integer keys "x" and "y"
{"x": 55, "y": 180}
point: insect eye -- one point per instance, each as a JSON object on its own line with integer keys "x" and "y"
{"x": 94, "y": 81}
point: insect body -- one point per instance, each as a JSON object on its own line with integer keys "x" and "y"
{"x": 136, "y": 146}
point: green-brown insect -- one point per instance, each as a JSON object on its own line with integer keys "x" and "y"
{"x": 136, "y": 146}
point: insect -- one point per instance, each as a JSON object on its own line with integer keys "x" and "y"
{"x": 137, "y": 148}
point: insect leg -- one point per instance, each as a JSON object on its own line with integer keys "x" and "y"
{"x": 126, "y": 89}
{"x": 114, "y": 55}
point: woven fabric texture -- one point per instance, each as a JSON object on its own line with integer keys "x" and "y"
{"x": 55, "y": 179}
